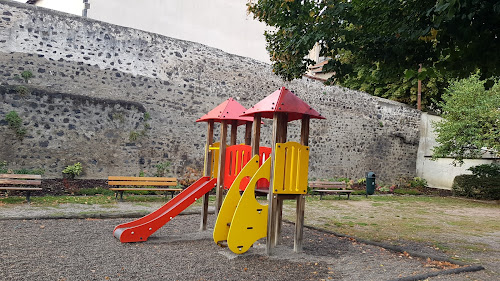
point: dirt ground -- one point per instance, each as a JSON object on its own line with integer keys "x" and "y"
{"x": 84, "y": 249}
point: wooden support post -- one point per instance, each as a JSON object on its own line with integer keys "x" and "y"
{"x": 256, "y": 134}
{"x": 206, "y": 173}
{"x": 222, "y": 158}
{"x": 279, "y": 220}
{"x": 299, "y": 223}
{"x": 248, "y": 133}
{"x": 234, "y": 132}
{"x": 279, "y": 135}
{"x": 301, "y": 199}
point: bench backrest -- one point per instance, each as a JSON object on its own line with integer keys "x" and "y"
{"x": 153, "y": 181}
{"x": 327, "y": 184}
{"x": 20, "y": 179}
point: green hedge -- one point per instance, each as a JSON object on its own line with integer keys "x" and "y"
{"x": 473, "y": 186}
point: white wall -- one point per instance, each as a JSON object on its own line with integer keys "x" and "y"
{"x": 439, "y": 173}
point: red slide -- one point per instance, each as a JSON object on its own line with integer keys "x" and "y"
{"x": 140, "y": 229}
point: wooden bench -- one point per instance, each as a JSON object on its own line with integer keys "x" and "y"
{"x": 330, "y": 187}
{"x": 150, "y": 184}
{"x": 22, "y": 182}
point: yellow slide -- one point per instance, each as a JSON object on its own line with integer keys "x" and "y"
{"x": 249, "y": 222}
{"x": 231, "y": 200}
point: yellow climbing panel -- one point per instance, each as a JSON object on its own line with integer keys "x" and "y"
{"x": 291, "y": 166}
{"x": 249, "y": 222}
{"x": 214, "y": 148}
{"x": 231, "y": 200}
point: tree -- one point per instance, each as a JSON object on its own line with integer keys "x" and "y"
{"x": 471, "y": 120}
{"x": 376, "y": 46}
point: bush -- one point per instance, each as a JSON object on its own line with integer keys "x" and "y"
{"x": 473, "y": 186}
{"x": 94, "y": 191}
{"x": 73, "y": 170}
{"x": 418, "y": 183}
{"x": 486, "y": 170}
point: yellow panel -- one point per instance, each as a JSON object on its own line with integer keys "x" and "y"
{"x": 291, "y": 168}
{"x": 249, "y": 222}
{"x": 231, "y": 200}
{"x": 215, "y": 159}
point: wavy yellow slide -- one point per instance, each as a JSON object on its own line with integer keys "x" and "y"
{"x": 249, "y": 222}
{"x": 231, "y": 200}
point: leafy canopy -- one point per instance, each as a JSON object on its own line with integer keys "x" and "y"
{"x": 471, "y": 120}
{"x": 377, "y": 45}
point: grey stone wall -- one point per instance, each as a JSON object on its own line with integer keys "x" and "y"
{"x": 90, "y": 71}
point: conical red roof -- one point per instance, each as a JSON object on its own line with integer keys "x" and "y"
{"x": 283, "y": 100}
{"x": 228, "y": 110}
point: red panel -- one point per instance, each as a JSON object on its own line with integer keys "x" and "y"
{"x": 237, "y": 156}
{"x": 140, "y": 229}
{"x": 283, "y": 100}
{"x": 264, "y": 153}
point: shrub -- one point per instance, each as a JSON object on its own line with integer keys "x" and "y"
{"x": 16, "y": 123}
{"x": 94, "y": 191}
{"x": 73, "y": 170}
{"x": 26, "y": 75}
{"x": 417, "y": 182}
{"x": 486, "y": 170}
{"x": 162, "y": 169}
{"x": 473, "y": 186}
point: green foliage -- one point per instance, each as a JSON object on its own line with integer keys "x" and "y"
{"x": 377, "y": 46}
{"x": 37, "y": 171}
{"x": 73, "y": 170}
{"x": 134, "y": 136}
{"x": 470, "y": 120}
{"x": 486, "y": 170}
{"x": 142, "y": 173}
{"x": 118, "y": 116}
{"x": 16, "y": 123}
{"x": 417, "y": 182}
{"x": 406, "y": 191}
{"x": 26, "y": 75}
{"x": 473, "y": 186}
{"x": 94, "y": 191}
{"x": 162, "y": 168}
{"x": 3, "y": 167}
{"x": 22, "y": 90}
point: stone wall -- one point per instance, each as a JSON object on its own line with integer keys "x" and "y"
{"x": 102, "y": 78}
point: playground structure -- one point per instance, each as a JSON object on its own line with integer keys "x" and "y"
{"x": 226, "y": 113}
{"x": 245, "y": 168}
{"x": 242, "y": 220}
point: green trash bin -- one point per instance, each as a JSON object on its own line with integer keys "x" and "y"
{"x": 370, "y": 183}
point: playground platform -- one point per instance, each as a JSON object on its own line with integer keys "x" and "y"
{"x": 84, "y": 249}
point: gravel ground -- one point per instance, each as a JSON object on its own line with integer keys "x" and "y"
{"x": 85, "y": 249}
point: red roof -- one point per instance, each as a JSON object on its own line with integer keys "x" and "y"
{"x": 229, "y": 110}
{"x": 283, "y": 100}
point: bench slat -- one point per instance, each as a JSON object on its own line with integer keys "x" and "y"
{"x": 18, "y": 176}
{"x": 27, "y": 182}
{"x": 119, "y": 178}
{"x": 153, "y": 183}
{"x": 19, "y": 188}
